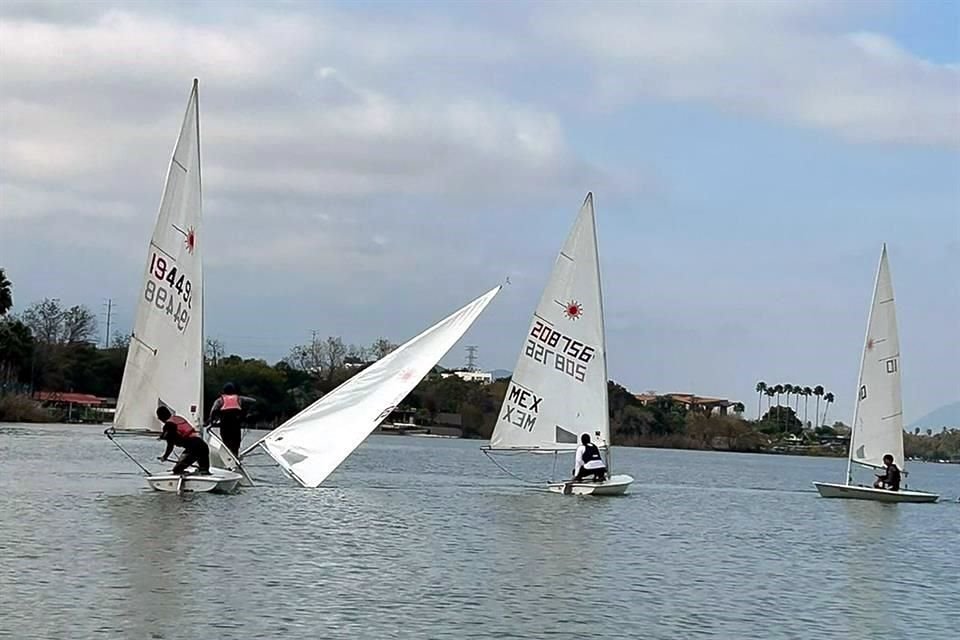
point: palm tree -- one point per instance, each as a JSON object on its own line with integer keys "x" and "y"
{"x": 818, "y": 391}
{"x": 778, "y": 390}
{"x": 770, "y": 393}
{"x": 6, "y": 293}
{"x": 828, "y": 398}
{"x": 797, "y": 392}
{"x": 788, "y": 389}
{"x": 761, "y": 389}
{"x": 807, "y": 392}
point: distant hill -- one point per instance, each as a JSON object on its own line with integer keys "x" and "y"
{"x": 946, "y": 416}
{"x": 500, "y": 373}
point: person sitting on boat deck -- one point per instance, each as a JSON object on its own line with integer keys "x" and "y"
{"x": 588, "y": 461}
{"x": 178, "y": 432}
{"x": 229, "y": 409}
{"x": 890, "y": 478}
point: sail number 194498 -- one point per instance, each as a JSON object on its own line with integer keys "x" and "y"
{"x": 169, "y": 291}
{"x": 550, "y": 347}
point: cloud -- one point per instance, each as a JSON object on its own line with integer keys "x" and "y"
{"x": 783, "y": 61}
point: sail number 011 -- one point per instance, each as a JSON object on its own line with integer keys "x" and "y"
{"x": 169, "y": 291}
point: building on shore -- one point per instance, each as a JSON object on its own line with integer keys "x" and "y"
{"x": 693, "y": 402}
{"x": 78, "y": 407}
{"x": 483, "y": 377}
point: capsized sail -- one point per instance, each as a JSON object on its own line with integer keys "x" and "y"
{"x": 878, "y": 412}
{"x": 165, "y": 359}
{"x": 312, "y": 444}
{"x": 559, "y": 385}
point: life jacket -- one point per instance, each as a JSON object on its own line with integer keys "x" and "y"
{"x": 590, "y": 452}
{"x": 230, "y": 403}
{"x": 185, "y": 430}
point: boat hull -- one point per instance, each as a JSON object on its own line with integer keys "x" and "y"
{"x": 219, "y": 481}
{"x": 613, "y": 486}
{"x": 853, "y": 492}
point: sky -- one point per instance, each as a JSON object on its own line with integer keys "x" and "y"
{"x": 371, "y": 166}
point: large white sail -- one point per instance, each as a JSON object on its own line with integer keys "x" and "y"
{"x": 165, "y": 358}
{"x": 559, "y": 385}
{"x": 878, "y": 413}
{"x": 312, "y": 444}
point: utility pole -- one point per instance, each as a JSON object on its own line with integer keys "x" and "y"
{"x": 109, "y": 315}
{"x": 471, "y": 357}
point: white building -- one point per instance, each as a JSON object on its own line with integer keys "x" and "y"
{"x": 482, "y": 377}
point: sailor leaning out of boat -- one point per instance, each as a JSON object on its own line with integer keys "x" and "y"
{"x": 177, "y": 431}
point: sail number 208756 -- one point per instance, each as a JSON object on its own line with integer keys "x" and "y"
{"x": 550, "y": 347}
{"x": 169, "y": 291}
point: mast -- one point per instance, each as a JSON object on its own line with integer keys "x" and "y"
{"x": 203, "y": 304}
{"x": 603, "y": 336}
{"x": 863, "y": 357}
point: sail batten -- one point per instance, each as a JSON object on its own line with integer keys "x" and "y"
{"x": 312, "y": 444}
{"x": 558, "y": 389}
{"x": 878, "y": 411}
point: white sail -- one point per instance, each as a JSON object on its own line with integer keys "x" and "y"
{"x": 559, "y": 385}
{"x": 878, "y": 413}
{"x": 165, "y": 358}
{"x": 312, "y": 444}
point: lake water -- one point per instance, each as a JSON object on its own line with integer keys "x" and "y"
{"x": 425, "y": 538}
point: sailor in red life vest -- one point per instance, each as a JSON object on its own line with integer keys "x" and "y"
{"x": 228, "y": 408}
{"x": 178, "y": 432}
{"x": 588, "y": 461}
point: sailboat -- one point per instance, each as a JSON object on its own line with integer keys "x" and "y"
{"x": 311, "y": 445}
{"x": 558, "y": 390}
{"x": 878, "y": 411}
{"x": 164, "y": 364}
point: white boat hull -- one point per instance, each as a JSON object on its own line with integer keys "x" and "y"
{"x": 612, "y": 486}
{"x": 855, "y": 492}
{"x": 219, "y": 481}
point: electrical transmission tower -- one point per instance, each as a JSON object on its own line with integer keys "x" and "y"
{"x": 471, "y": 357}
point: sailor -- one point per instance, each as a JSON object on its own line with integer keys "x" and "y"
{"x": 228, "y": 408}
{"x": 890, "y": 478}
{"x": 588, "y": 461}
{"x": 178, "y": 432}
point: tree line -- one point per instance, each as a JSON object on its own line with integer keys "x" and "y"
{"x": 797, "y": 391}
{"x": 53, "y": 347}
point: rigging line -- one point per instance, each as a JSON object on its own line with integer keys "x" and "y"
{"x": 508, "y": 472}
{"x": 109, "y": 435}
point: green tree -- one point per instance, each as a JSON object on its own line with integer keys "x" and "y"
{"x": 6, "y": 293}
{"x": 761, "y": 389}
{"x": 818, "y": 391}
{"x": 828, "y": 400}
{"x": 807, "y": 392}
{"x": 16, "y": 352}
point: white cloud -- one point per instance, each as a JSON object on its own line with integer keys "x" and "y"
{"x": 784, "y": 61}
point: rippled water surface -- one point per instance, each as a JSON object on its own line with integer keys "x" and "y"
{"x": 425, "y": 538}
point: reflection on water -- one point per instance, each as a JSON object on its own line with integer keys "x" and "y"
{"x": 422, "y": 538}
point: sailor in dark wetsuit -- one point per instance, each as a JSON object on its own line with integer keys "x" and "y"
{"x": 588, "y": 461}
{"x": 178, "y": 432}
{"x": 228, "y": 410}
{"x": 890, "y": 478}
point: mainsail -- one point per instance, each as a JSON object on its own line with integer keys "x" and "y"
{"x": 878, "y": 412}
{"x": 559, "y": 385}
{"x": 165, "y": 358}
{"x": 312, "y": 444}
